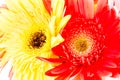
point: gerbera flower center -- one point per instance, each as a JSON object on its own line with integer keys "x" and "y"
{"x": 38, "y": 39}
{"x": 82, "y": 45}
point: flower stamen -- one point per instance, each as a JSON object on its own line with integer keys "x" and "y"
{"x": 82, "y": 45}
{"x": 37, "y": 40}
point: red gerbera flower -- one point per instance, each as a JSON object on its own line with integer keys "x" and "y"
{"x": 91, "y": 43}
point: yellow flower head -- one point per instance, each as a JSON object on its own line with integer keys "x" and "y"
{"x": 28, "y": 30}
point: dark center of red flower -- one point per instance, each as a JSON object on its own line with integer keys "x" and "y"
{"x": 81, "y": 45}
{"x": 85, "y": 41}
{"x": 37, "y": 40}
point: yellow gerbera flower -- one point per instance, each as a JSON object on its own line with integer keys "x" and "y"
{"x": 28, "y": 30}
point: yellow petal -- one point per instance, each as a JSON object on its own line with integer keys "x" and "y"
{"x": 56, "y": 40}
{"x": 58, "y": 9}
{"x": 57, "y": 21}
{"x": 52, "y": 25}
{"x": 62, "y": 24}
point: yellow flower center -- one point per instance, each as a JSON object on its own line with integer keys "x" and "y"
{"x": 38, "y": 40}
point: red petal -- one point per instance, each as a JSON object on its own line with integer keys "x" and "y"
{"x": 61, "y": 69}
{"x": 105, "y": 66}
{"x": 52, "y": 60}
{"x": 101, "y": 68}
{"x": 111, "y": 53}
{"x": 101, "y": 4}
{"x": 64, "y": 76}
{"x": 107, "y": 17}
{"x": 89, "y": 8}
{"x": 47, "y": 4}
{"x": 104, "y": 16}
{"x": 107, "y": 63}
{"x": 95, "y": 77}
{"x": 60, "y": 50}
{"x": 88, "y": 75}
{"x": 70, "y": 74}
{"x": 104, "y": 73}
{"x": 76, "y": 72}
{"x": 75, "y": 7}
{"x": 112, "y": 33}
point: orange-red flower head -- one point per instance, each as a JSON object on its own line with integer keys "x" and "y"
{"x": 91, "y": 43}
